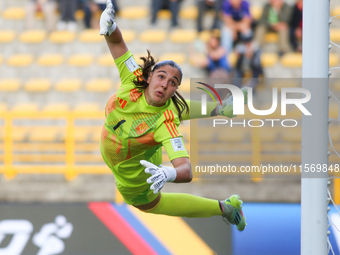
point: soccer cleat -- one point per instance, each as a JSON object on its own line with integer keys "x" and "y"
{"x": 232, "y": 212}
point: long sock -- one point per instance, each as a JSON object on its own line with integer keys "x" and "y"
{"x": 186, "y": 205}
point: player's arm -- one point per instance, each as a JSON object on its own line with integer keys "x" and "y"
{"x": 183, "y": 169}
{"x": 110, "y": 30}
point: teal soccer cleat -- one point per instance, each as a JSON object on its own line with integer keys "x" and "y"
{"x": 232, "y": 212}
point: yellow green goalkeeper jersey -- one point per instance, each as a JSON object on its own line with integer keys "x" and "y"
{"x": 134, "y": 130}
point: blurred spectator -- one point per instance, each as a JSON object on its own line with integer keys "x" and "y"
{"x": 248, "y": 63}
{"x": 237, "y": 22}
{"x": 275, "y": 18}
{"x": 205, "y": 5}
{"x": 67, "y": 10}
{"x": 93, "y": 7}
{"x": 172, "y": 5}
{"x": 296, "y": 26}
{"x": 47, "y": 7}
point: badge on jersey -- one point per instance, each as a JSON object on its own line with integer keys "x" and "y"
{"x": 177, "y": 144}
{"x": 131, "y": 64}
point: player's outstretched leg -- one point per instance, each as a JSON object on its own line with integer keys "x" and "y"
{"x": 232, "y": 212}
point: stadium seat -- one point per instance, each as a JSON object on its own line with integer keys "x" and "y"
{"x": 164, "y": 14}
{"x": 43, "y": 134}
{"x": 283, "y": 83}
{"x": 335, "y": 11}
{"x": 128, "y": 34}
{"x": 335, "y": 35}
{"x": 269, "y": 59}
{"x": 333, "y": 59}
{"x": 99, "y": 85}
{"x": 337, "y": 86}
{"x": 80, "y": 60}
{"x": 334, "y": 111}
{"x": 0, "y": 59}
{"x": 25, "y": 107}
{"x": 15, "y": 13}
{"x": 37, "y": 85}
{"x": 91, "y": 36}
{"x": 268, "y": 134}
{"x": 134, "y": 12}
{"x": 185, "y": 86}
{"x": 86, "y": 107}
{"x": 235, "y": 135}
{"x": 189, "y": 12}
{"x": 153, "y": 36}
{"x": 19, "y": 133}
{"x": 68, "y": 85}
{"x": 62, "y": 36}
{"x": 198, "y": 60}
{"x": 271, "y": 37}
{"x": 183, "y": 35}
{"x": 335, "y": 134}
{"x": 291, "y": 135}
{"x": 20, "y": 60}
{"x": 3, "y": 107}
{"x": 79, "y": 15}
{"x": 9, "y": 85}
{"x": 232, "y": 58}
{"x": 50, "y": 60}
{"x": 292, "y": 59}
{"x": 256, "y": 11}
{"x": 56, "y": 108}
{"x": 178, "y": 57}
{"x": 33, "y": 36}
{"x": 7, "y": 36}
{"x": 95, "y": 136}
{"x": 204, "y": 35}
{"x": 106, "y": 60}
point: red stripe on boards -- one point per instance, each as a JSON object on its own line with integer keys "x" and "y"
{"x": 120, "y": 228}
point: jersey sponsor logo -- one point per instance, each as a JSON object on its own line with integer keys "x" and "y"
{"x": 169, "y": 123}
{"x": 177, "y": 144}
{"x": 131, "y": 64}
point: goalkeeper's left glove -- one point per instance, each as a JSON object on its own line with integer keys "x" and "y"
{"x": 226, "y": 109}
{"x": 107, "y": 20}
{"x": 159, "y": 175}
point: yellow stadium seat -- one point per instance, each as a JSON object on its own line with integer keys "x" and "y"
{"x": 177, "y": 57}
{"x": 95, "y": 137}
{"x": 292, "y": 59}
{"x": 164, "y": 14}
{"x": 334, "y": 111}
{"x": 106, "y": 60}
{"x": 134, "y": 12}
{"x": 269, "y": 59}
{"x": 7, "y": 36}
{"x": 99, "y": 85}
{"x": 335, "y": 35}
{"x": 33, "y": 36}
{"x": 271, "y": 37}
{"x": 285, "y": 83}
{"x": 81, "y": 134}
{"x": 3, "y": 107}
{"x": 9, "y": 85}
{"x": 68, "y": 85}
{"x": 25, "y": 107}
{"x": 204, "y": 35}
{"x": 79, "y": 15}
{"x": 62, "y": 36}
{"x": 19, "y": 133}
{"x": 80, "y": 60}
{"x": 268, "y": 134}
{"x": 333, "y": 59}
{"x": 185, "y": 85}
{"x": 15, "y": 13}
{"x": 43, "y": 134}
{"x": 87, "y": 107}
{"x": 153, "y": 36}
{"x": 37, "y": 85}
{"x": 91, "y": 36}
{"x": 188, "y": 12}
{"x": 291, "y": 135}
{"x": 337, "y": 86}
{"x": 0, "y": 59}
{"x": 235, "y": 135}
{"x": 20, "y": 60}
{"x": 256, "y": 11}
{"x": 138, "y": 56}
{"x": 183, "y": 35}
{"x": 335, "y": 11}
{"x": 50, "y": 60}
{"x": 56, "y": 107}
{"x": 198, "y": 60}
{"x": 232, "y": 58}
{"x": 128, "y": 34}
{"x": 334, "y": 132}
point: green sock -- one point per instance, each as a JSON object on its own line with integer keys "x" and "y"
{"x": 186, "y": 205}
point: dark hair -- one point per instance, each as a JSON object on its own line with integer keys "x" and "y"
{"x": 150, "y": 66}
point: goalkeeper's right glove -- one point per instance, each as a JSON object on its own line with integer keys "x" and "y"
{"x": 226, "y": 109}
{"x": 107, "y": 20}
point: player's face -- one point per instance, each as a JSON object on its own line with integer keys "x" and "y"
{"x": 163, "y": 83}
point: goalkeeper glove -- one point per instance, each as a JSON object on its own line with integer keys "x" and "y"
{"x": 159, "y": 175}
{"x": 226, "y": 109}
{"x": 107, "y": 20}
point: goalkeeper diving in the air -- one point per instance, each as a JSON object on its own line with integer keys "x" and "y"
{"x": 143, "y": 116}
